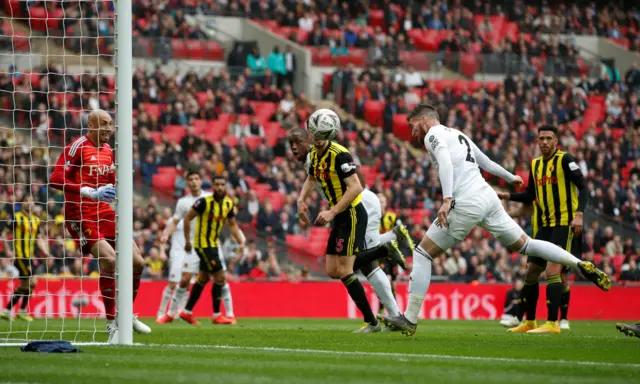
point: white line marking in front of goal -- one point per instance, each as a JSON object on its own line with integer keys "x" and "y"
{"x": 395, "y": 355}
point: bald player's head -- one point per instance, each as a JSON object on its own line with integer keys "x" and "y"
{"x": 100, "y": 126}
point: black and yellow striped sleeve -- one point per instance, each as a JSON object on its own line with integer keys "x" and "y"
{"x": 200, "y": 205}
{"x": 575, "y": 176}
{"x": 230, "y": 208}
{"x": 345, "y": 166}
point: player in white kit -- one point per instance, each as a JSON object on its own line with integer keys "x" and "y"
{"x": 469, "y": 201}
{"x": 300, "y": 144}
{"x": 184, "y": 265}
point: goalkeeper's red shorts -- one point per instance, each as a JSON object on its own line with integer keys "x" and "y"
{"x": 90, "y": 230}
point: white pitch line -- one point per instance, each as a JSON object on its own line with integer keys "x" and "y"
{"x": 396, "y": 355}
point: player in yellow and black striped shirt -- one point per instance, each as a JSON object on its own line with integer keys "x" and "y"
{"x": 26, "y": 229}
{"x": 211, "y": 212}
{"x": 332, "y": 168}
{"x": 558, "y": 193}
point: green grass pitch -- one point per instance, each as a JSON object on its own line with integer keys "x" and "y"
{"x": 324, "y": 351}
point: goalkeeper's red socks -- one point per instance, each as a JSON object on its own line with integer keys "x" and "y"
{"x": 107, "y": 284}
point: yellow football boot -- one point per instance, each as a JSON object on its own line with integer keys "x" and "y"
{"x": 24, "y": 317}
{"x": 548, "y": 327}
{"x": 524, "y": 327}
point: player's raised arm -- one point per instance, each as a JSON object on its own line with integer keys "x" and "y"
{"x": 303, "y": 209}
{"x": 180, "y": 212}
{"x": 490, "y": 166}
{"x": 438, "y": 148}
{"x": 572, "y": 170}
{"x": 363, "y": 181}
{"x": 59, "y": 178}
{"x": 347, "y": 172}
{"x": 527, "y": 196}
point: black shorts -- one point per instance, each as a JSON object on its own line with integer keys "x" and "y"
{"x": 561, "y": 236}
{"x": 24, "y": 267}
{"x": 348, "y": 232}
{"x": 209, "y": 260}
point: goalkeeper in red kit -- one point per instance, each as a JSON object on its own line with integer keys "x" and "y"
{"x": 85, "y": 172}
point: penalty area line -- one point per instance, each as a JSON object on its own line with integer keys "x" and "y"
{"x": 395, "y": 355}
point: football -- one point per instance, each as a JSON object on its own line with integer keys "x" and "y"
{"x": 323, "y": 124}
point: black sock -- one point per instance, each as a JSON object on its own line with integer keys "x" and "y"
{"x": 356, "y": 291}
{"x": 518, "y": 310}
{"x": 554, "y": 296}
{"x": 196, "y": 291}
{"x": 17, "y": 294}
{"x": 365, "y": 257}
{"x": 564, "y": 306}
{"x": 216, "y": 296}
{"x": 529, "y": 296}
{"x": 25, "y": 299}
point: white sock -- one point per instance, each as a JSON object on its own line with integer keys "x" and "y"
{"x": 387, "y": 237}
{"x": 166, "y": 296}
{"x": 382, "y": 287}
{"x": 418, "y": 283}
{"x": 549, "y": 252}
{"x": 177, "y": 303}
{"x": 227, "y": 300}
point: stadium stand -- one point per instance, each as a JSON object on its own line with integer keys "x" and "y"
{"x": 234, "y": 121}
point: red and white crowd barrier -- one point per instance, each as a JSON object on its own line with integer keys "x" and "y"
{"x": 55, "y": 297}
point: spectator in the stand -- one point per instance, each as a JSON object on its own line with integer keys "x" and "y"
{"x": 256, "y": 62}
{"x": 305, "y": 23}
{"x": 244, "y": 108}
{"x": 148, "y": 168}
{"x": 276, "y": 64}
{"x": 390, "y": 109}
{"x": 614, "y": 247}
{"x": 290, "y": 65}
{"x": 155, "y": 264}
{"x": 268, "y": 220}
{"x": 254, "y": 128}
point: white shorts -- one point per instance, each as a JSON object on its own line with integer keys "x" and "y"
{"x": 371, "y": 204}
{"x": 182, "y": 262}
{"x": 480, "y": 209}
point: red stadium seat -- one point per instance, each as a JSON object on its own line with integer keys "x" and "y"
{"x": 37, "y": 18}
{"x": 401, "y": 127}
{"x": 376, "y": 18}
{"x": 253, "y": 141}
{"x": 277, "y": 200}
{"x": 264, "y": 109}
{"x": 164, "y": 181}
{"x": 12, "y": 8}
{"x": 174, "y": 133}
{"x": 213, "y": 51}
{"x": 153, "y": 109}
{"x": 157, "y": 137}
{"x": 179, "y": 49}
{"x": 215, "y": 131}
{"x": 468, "y": 65}
{"x": 373, "y": 111}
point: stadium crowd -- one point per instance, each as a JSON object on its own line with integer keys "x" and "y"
{"x": 500, "y": 120}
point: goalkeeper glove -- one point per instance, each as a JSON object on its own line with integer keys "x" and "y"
{"x": 106, "y": 193}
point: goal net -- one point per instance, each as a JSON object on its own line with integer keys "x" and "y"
{"x": 57, "y": 63}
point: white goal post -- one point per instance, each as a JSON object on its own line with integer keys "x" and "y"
{"x": 51, "y": 51}
{"x": 124, "y": 170}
